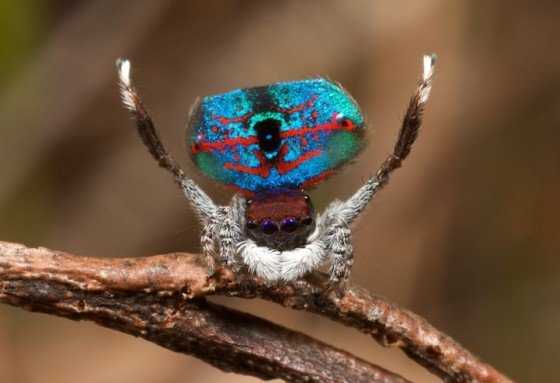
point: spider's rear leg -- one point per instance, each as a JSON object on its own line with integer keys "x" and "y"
{"x": 340, "y": 215}
{"x": 412, "y": 120}
{"x": 198, "y": 199}
{"x": 209, "y": 213}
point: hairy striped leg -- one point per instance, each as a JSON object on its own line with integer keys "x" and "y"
{"x": 339, "y": 215}
{"x": 208, "y": 246}
{"x": 209, "y": 214}
{"x": 231, "y": 232}
{"x": 339, "y": 239}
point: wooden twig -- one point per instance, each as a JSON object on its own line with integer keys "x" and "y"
{"x": 160, "y": 298}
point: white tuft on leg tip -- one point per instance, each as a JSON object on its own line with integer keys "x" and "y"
{"x": 123, "y": 66}
{"x": 429, "y": 63}
{"x": 426, "y": 86}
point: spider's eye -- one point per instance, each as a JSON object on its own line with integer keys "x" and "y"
{"x": 269, "y": 227}
{"x": 250, "y": 225}
{"x": 289, "y": 225}
{"x": 249, "y": 201}
{"x": 307, "y": 221}
{"x": 306, "y": 198}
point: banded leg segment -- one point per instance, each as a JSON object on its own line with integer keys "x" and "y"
{"x": 338, "y": 236}
{"x": 229, "y": 236}
{"x": 208, "y": 246}
{"x": 231, "y": 231}
{"x": 342, "y": 253}
{"x": 199, "y": 201}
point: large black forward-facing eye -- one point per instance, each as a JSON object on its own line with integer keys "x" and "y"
{"x": 268, "y": 134}
{"x": 289, "y": 225}
{"x": 269, "y": 227}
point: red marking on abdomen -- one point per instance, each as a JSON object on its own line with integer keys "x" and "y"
{"x": 258, "y": 171}
{"x": 298, "y": 108}
{"x": 285, "y": 167}
{"x": 262, "y": 170}
{"x": 208, "y": 146}
{"x": 226, "y": 120}
{"x": 330, "y": 126}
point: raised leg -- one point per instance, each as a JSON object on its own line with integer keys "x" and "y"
{"x": 412, "y": 120}
{"x": 339, "y": 215}
{"x": 199, "y": 201}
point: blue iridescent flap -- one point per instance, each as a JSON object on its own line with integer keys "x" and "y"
{"x": 289, "y": 135}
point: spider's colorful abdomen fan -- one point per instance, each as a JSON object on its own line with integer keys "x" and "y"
{"x": 284, "y": 135}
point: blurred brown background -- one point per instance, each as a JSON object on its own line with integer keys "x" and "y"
{"x": 466, "y": 234}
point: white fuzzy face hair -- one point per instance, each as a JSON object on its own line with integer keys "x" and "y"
{"x": 226, "y": 230}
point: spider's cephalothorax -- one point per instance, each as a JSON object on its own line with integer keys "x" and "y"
{"x": 269, "y": 143}
{"x": 280, "y": 219}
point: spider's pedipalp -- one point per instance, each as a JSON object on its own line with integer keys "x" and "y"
{"x": 298, "y": 262}
{"x": 263, "y": 261}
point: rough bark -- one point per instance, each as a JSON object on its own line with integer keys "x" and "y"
{"x": 161, "y": 298}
